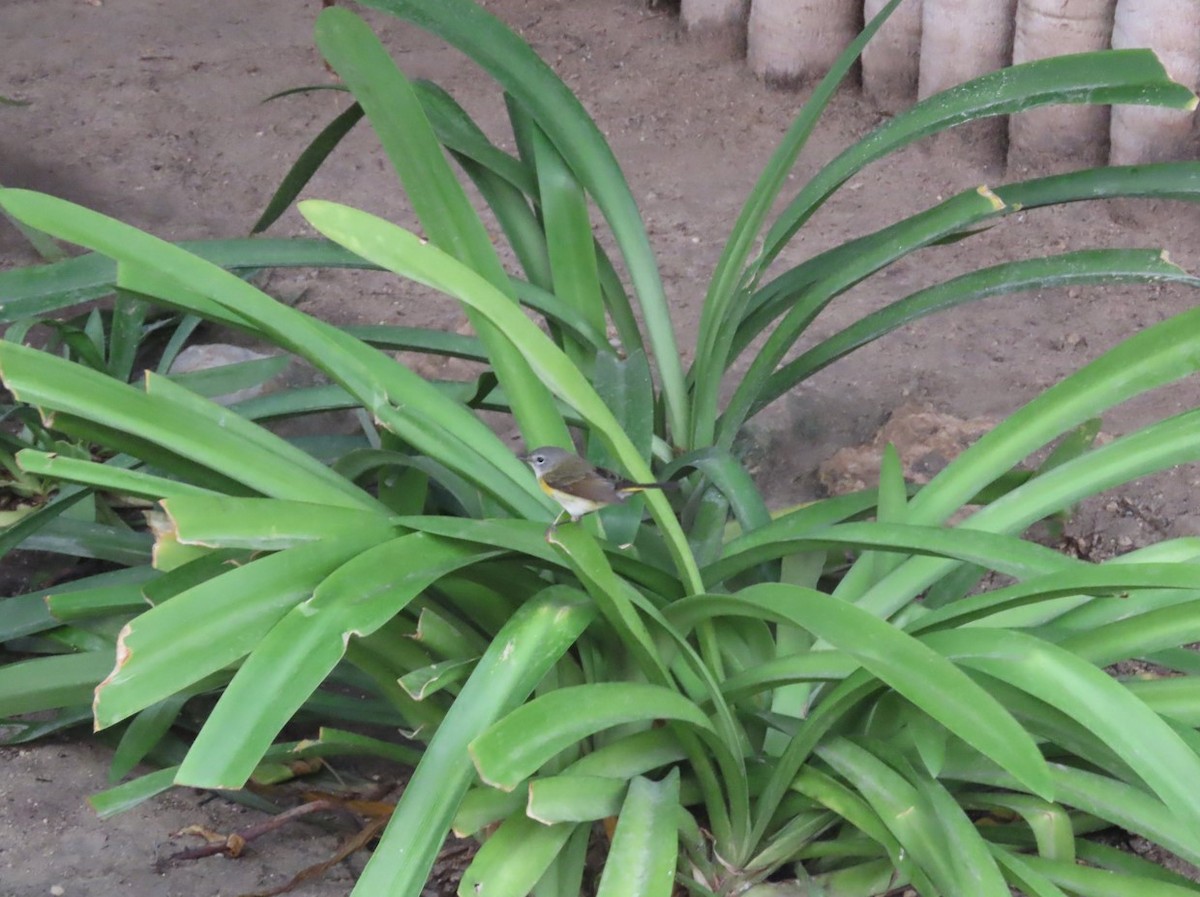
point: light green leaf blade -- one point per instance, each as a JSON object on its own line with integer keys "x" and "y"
{"x": 1110, "y": 76}
{"x": 574, "y": 798}
{"x": 179, "y": 421}
{"x": 1153, "y": 357}
{"x": 39, "y": 290}
{"x": 1049, "y": 822}
{"x": 400, "y": 251}
{"x": 483, "y": 806}
{"x": 720, "y": 311}
{"x": 47, "y": 683}
{"x": 1085, "y": 692}
{"x": 523, "y": 651}
{"x": 561, "y": 116}
{"x": 104, "y": 476}
{"x": 568, "y": 229}
{"x": 518, "y": 745}
{"x": 645, "y": 847}
{"x": 231, "y": 378}
{"x": 211, "y": 625}
{"x": 1004, "y": 553}
{"x": 1088, "y": 881}
{"x": 300, "y": 651}
{"x": 1073, "y": 268}
{"x": 144, "y": 733}
{"x": 265, "y": 524}
{"x": 395, "y": 112}
{"x": 514, "y": 858}
{"x": 403, "y": 401}
{"x": 128, "y": 795}
{"x": 914, "y": 670}
{"x": 964, "y": 210}
{"x": 910, "y": 819}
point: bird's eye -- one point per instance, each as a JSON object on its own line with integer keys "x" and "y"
{"x": 539, "y": 459}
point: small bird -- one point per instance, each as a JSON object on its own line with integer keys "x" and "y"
{"x": 579, "y": 486}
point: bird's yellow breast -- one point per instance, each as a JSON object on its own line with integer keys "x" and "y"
{"x": 574, "y": 505}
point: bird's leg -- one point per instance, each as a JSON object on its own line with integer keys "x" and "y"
{"x": 554, "y": 526}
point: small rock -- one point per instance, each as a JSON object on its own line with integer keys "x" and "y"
{"x": 926, "y": 441}
{"x": 203, "y": 357}
{"x": 57, "y": 890}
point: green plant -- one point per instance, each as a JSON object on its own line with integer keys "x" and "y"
{"x": 755, "y": 713}
{"x": 118, "y": 341}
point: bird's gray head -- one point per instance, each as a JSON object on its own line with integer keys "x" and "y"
{"x": 545, "y": 458}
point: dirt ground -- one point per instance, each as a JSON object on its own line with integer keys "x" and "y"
{"x": 153, "y": 112}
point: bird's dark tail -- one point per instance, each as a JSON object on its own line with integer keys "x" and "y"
{"x": 631, "y": 488}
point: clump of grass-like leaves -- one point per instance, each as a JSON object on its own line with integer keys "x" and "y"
{"x": 752, "y": 713}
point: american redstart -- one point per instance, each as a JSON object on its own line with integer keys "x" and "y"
{"x": 578, "y": 486}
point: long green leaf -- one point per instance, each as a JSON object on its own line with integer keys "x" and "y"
{"x": 926, "y": 828}
{"x": 179, "y": 421}
{"x": 1109, "y": 76}
{"x": 32, "y": 612}
{"x": 306, "y": 166}
{"x": 642, "y": 859}
{"x": 404, "y": 402}
{"x": 1091, "y": 882}
{"x": 518, "y": 745}
{"x": 719, "y": 314}
{"x": 630, "y": 755}
{"x": 219, "y": 521}
{"x": 395, "y": 112}
{"x": 85, "y": 539}
{"x": 299, "y": 651}
{"x": 843, "y": 800}
{"x": 459, "y": 134}
{"x": 144, "y": 733}
{"x": 571, "y": 798}
{"x": 1049, "y": 822}
{"x": 130, "y": 794}
{"x": 47, "y": 683}
{"x": 1085, "y": 692}
{"x": 104, "y": 476}
{"x": 914, "y": 670}
{"x": 1021, "y": 875}
{"x": 1085, "y": 582}
{"x": 560, "y": 115}
{"x": 514, "y": 858}
{"x": 400, "y": 251}
{"x": 518, "y": 221}
{"x": 41, "y": 289}
{"x": 1166, "y": 180}
{"x": 568, "y": 229}
{"x": 1151, "y": 358}
{"x": 964, "y": 210}
{"x": 1141, "y": 635}
{"x": 1162, "y": 180}
{"x": 1013, "y": 556}
{"x": 1110, "y": 857}
{"x": 520, "y": 655}
{"x": 1086, "y": 267}
{"x": 212, "y": 625}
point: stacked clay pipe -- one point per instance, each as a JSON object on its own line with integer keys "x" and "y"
{"x": 929, "y": 45}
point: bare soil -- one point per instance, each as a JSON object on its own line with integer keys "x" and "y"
{"x": 152, "y": 112}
